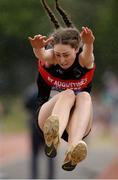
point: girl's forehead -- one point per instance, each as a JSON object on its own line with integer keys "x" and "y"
{"x": 62, "y": 48}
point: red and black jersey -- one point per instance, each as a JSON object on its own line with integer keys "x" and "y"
{"x": 76, "y": 77}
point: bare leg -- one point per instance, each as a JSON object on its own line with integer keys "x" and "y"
{"x": 60, "y": 105}
{"x": 78, "y": 126}
{"x": 46, "y": 110}
{"x": 62, "y": 109}
{"x": 81, "y": 119}
{"x": 53, "y": 119}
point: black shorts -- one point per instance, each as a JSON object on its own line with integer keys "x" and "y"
{"x": 65, "y": 135}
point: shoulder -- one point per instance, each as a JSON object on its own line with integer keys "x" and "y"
{"x": 50, "y": 57}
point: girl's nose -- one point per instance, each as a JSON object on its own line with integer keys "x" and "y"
{"x": 62, "y": 59}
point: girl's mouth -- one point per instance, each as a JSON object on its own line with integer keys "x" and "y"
{"x": 64, "y": 64}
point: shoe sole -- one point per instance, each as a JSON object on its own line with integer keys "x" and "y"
{"x": 78, "y": 154}
{"x": 51, "y": 136}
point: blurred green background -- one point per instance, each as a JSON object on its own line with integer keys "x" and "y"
{"x": 18, "y": 70}
{"x": 18, "y": 66}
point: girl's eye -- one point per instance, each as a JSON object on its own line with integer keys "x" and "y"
{"x": 66, "y": 55}
{"x": 57, "y": 55}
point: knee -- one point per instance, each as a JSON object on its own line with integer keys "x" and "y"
{"x": 68, "y": 94}
{"x": 84, "y": 96}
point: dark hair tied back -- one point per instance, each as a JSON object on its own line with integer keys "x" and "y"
{"x": 64, "y": 15}
{"x": 51, "y": 14}
{"x": 67, "y": 21}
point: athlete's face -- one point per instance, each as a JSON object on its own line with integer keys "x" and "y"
{"x": 65, "y": 55}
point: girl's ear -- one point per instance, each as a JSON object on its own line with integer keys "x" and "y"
{"x": 77, "y": 49}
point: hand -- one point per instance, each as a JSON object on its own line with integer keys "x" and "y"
{"x": 87, "y": 35}
{"x": 39, "y": 41}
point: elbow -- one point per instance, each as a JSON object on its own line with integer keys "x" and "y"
{"x": 90, "y": 63}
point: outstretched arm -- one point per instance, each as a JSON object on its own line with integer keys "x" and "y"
{"x": 38, "y": 44}
{"x": 87, "y": 56}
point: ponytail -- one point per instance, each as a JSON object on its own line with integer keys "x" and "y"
{"x": 64, "y": 15}
{"x": 50, "y": 14}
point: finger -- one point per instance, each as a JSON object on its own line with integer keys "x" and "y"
{"x": 42, "y": 37}
{"x": 49, "y": 40}
{"x": 93, "y": 37}
{"x": 30, "y": 38}
{"x": 81, "y": 33}
{"x": 89, "y": 30}
{"x": 84, "y": 29}
{"x": 31, "y": 41}
{"x": 36, "y": 36}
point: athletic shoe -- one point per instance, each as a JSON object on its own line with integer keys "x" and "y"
{"x": 51, "y": 136}
{"x": 74, "y": 156}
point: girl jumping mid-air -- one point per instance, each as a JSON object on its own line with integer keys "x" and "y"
{"x": 68, "y": 68}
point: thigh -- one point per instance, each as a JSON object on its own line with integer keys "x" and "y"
{"x": 85, "y": 96}
{"x": 46, "y": 110}
{"x": 88, "y": 129}
{"x": 80, "y": 99}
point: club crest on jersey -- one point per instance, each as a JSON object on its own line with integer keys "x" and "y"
{"x": 76, "y": 72}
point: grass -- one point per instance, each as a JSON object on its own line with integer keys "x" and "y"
{"x": 15, "y": 117}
